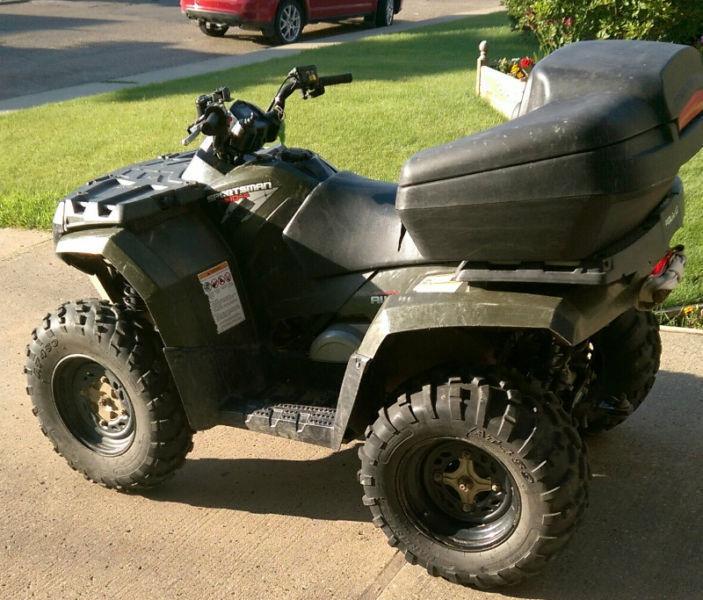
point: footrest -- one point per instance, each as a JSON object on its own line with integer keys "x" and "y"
{"x": 311, "y": 424}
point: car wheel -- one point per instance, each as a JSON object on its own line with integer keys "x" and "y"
{"x": 212, "y": 29}
{"x": 385, "y": 13}
{"x": 289, "y": 22}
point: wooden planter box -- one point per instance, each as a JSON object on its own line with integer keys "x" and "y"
{"x": 503, "y": 92}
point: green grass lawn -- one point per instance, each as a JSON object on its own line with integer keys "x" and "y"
{"x": 411, "y": 90}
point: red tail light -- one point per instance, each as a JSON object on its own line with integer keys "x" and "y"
{"x": 693, "y": 108}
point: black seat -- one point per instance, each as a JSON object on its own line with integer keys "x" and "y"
{"x": 349, "y": 224}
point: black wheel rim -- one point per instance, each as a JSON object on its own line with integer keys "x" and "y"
{"x": 458, "y": 494}
{"x": 94, "y": 405}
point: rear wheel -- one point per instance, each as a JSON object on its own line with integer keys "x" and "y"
{"x": 385, "y": 13}
{"x": 104, "y": 396}
{"x": 475, "y": 481}
{"x": 626, "y": 357}
{"x": 212, "y": 29}
{"x": 288, "y": 26}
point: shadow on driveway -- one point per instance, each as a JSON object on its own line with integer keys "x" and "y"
{"x": 318, "y": 489}
{"x": 641, "y": 537}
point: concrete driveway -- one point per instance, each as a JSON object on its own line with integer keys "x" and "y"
{"x": 258, "y": 517}
{"x": 53, "y": 44}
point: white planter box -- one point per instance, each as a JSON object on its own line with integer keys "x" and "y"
{"x": 503, "y": 92}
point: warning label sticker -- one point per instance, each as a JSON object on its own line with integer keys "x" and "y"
{"x": 438, "y": 284}
{"x": 225, "y": 305}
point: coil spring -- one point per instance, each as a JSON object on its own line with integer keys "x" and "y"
{"x": 131, "y": 299}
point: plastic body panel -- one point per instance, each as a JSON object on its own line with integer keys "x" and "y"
{"x": 641, "y": 248}
{"x": 574, "y": 173}
{"x": 571, "y": 313}
{"x": 347, "y": 224}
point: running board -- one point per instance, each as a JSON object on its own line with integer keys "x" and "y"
{"x": 310, "y": 424}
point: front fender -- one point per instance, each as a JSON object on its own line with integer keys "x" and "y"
{"x": 162, "y": 264}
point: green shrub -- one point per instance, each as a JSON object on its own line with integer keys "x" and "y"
{"x": 559, "y": 22}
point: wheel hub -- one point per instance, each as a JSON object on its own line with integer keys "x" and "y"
{"x": 109, "y": 411}
{"x": 459, "y": 493}
{"x": 94, "y": 405}
{"x": 467, "y": 483}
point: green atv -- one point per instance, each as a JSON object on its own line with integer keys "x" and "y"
{"x": 467, "y": 324}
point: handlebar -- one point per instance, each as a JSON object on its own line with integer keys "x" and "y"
{"x": 213, "y": 122}
{"x": 335, "y": 79}
{"x": 214, "y": 119}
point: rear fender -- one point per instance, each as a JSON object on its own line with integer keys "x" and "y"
{"x": 570, "y": 313}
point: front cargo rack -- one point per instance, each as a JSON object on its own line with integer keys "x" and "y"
{"x": 637, "y": 252}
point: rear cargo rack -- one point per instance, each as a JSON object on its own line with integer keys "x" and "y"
{"x": 636, "y": 252}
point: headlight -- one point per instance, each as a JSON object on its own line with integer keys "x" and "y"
{"x": 57, "y": 223}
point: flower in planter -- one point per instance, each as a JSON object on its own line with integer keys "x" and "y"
{"x": 526, "y": 63}
{"x": 517, "y": 67}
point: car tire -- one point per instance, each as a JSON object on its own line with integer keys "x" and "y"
{"x": 517, "y": 455}
{"x": 385, "y": 13}
{"x": 104, "y": 396}
{"x": 288, "y": 25}
{"x": 626, "y": 356}
{"x": 212, "y": 29}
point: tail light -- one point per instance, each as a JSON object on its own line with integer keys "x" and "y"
{"x": 665, "y": 276}
{"x": 691, "y": 110}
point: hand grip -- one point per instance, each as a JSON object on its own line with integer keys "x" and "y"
{"x": 212, "y": 123}
{"x": 335, "y": 79}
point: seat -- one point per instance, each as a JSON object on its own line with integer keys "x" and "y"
{"x": 349, "y": 224}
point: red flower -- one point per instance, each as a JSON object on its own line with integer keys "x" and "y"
{"x": 526, "y": 62}
{"x": 568, "y": 22}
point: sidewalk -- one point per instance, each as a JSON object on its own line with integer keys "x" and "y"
{"x": 253, "y": 516}
{"x": 216, "y": 64}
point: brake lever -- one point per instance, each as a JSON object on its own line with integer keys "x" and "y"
{"x": 193, "y": 132}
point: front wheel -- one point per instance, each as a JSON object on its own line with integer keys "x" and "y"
{"x": 104, "y": 396}
{"x": 475, "y": 481}
{"x": 212, "y": 29}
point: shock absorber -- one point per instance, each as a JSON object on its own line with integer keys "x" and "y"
{"x": 131, "y": 299}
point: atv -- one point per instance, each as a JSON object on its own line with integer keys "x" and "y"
{"x": 468, "y": 325}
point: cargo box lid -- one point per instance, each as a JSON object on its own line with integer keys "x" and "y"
{"x": 582, "y": 97}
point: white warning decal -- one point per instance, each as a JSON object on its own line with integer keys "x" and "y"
{"x": 438, "y": 284}
{"x": 225, "y": 306}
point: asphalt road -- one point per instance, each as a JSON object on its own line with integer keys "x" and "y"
{"x": 251, "y": 516}
{"x": 51, "y": 44}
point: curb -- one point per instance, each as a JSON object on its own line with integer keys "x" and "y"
{"x": 214, "y": 64}
{"x": 673, "y": 329}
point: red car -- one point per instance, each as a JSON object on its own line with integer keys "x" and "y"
{"x": 283, "y": 20}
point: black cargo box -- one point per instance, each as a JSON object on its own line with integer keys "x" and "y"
{"x": 604, "y": 127}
